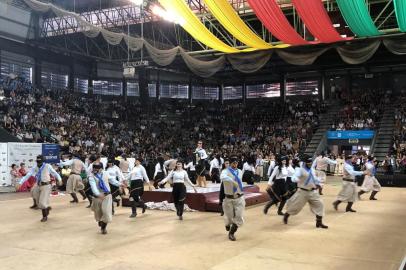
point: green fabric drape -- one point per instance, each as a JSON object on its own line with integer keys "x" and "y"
{"x": 356, "y": 15}
{"x": 400, "y": 10}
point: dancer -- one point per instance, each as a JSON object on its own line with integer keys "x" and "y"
{"x": 370, "y": 182}
{"x": 191, "y": 169}
{"x": 226, "y": 164}
{"x": 259, "y": 167}
{"x": 42, "y": 173}
{"x": 234, "y": 202}
{"x": 348, "y": 192}
{"x": 137, "y": 177}
{"x": 102, "y": 202}
{"x": 115, "y": 179}
{"x": 160, "y": 171}
{"x": 201, "y": 157}
{"x": 248, "y": 171}
{"x": 277, "y": 188}
{"x": 178, "y": 177}
{"x": 215, "y": 167}
{"x": 320, "y": 164}
{"x": 308, "y": 183}
{"x": 75, "y": 183}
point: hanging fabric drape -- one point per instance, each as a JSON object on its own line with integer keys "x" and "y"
{"x": 358, "y": 53}
{"x": 194, "y": 26}
{"x": 299, "y": 57}
{"x": 203, "y": 69}
{"x": 249, "y": 62}
{"x": 273, "y": 18}
{"x": 356, "y": 15}
{"x": 316, "y": 19}
{"x": 400, "y": 10}
{"x": 226, "y": 15}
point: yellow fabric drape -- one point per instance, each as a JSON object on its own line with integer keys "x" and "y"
{"x": 195, "y": 27}
{"x": 228, "y": 17}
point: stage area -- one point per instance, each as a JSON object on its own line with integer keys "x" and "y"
{"x": 373, "y": 238}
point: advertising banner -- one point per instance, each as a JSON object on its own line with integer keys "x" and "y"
{"x": 4, "y": 168}
{"x": 350, "y": 134}
{"x": 51, "y": 153}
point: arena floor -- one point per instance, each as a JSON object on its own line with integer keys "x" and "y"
{"x": 373, "y": 238}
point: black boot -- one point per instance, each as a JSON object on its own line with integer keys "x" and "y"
{"x": 372, "y": 197}
{"x": 349, "y": 207}
{"x": 360, "y": 193}
{"x": 90, "y": 201}
{"x": 319, "y": 223}
{"x": 267, "y": 206}
{"x": 280, "y": 208}
{"x": 228, "y": 227}
{"x": 44, "y": 215}
{"x": 285, "y": 218}
{"x": 112, "y": 208}
{"x": 34, "y": 205}
{"x": 233, "y": 229}
{"x": 103, "y": 227}
{"x": 82, "y": 192}
{"x": 117, "y": 201}
{"x": 320, "y": 190}
{"x": 134, "y": 210}
{"x": 335, "y": 204}
{"x": 144, "y": 207}
{"x": 221, "y": 211}
{"x": 75, "y": 198}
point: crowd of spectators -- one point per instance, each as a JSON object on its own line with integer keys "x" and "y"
{"x": 399, "y": 145}
{"x": 361, "y": 111}
{"x": 89, "y": 125}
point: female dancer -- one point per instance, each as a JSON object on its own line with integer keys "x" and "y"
{"x": 277, "y": 188}
{"x": 160, "y": 171}
{"x": 178, "y": 177}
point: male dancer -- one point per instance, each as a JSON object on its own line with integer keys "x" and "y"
{"x": 307, "y": 183}
{"x": 234, "y": 202}
{"x": 348, "y": 192}
{"x": 75, "y": 183}
{"x": 370, "y": 182}
{"x": 201, "y": 157}
{"x": 42, "y": 173}
{"x": 320, "y": 164}
{"x": 102, "y": 202}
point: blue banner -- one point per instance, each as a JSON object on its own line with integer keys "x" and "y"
{"x": 350, "y": 134}
{"x": 51, "y": 153}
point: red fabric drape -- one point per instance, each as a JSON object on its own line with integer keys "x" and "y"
{"x": 316, "y": 19}
{"x": 271, "y": 15}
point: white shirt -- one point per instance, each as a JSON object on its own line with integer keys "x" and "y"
{"x": 202, "y": 153}
{"x": 320, "y": 163}
{"x": 191, "y": 166}
{"x": 178, "y": 176}
{"x": 138, "y": 173}
{"x": 158, "y": 169}
{"x": 113, "y": 173}
{"x": 214, "y": 164}
{"x": 278, "y": 174}
{"x": 291, "y": 171}
{"x": 271, "y": 167}
{"x": 247, "y": 167}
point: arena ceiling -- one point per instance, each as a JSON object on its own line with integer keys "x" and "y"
{"x": 122, "y": 16}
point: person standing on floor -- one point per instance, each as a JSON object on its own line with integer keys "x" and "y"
{"x": 234, "y": 202}
{"x": 259, "y": 167}
{"x": 42, "y": 173}
{"x": 348, "y": 192}
{"x": 115, "y": 179}
{"x": 370, "y": 182}
{"x": 191, "y": 169}
{"x": 308, "y": 183}
{"x": 277, "y": 188}
{"x": 320, "y": 164}
{"x": 201, "y": 157}
{"x": 178, "y": 178}
{"x": 215, "y": 167}
{"x": 102, "y": 202}
{"x": 248, "y": 171}
{"x": 226, "y": 164}
{"x": 160, "y": 171}
{"x": 75, "y": 183}
{"x": 137, "y": 176}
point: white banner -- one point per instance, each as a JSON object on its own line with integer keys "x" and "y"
{"x": 24, "y": 152}
{"x": 4, "y": 168}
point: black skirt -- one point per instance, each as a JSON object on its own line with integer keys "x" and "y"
{"x": 159, "y": 176}
{"x": 136, "y": 189}
{"x": 215, "y": 175}
{"x": 291, "y": 187}
{"x": 201, "y": 168}
{"x": 179, "y": 192}
{"x": 278, "y": 190}
{"x": 248, "y": 177}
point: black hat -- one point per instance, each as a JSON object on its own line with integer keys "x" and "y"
{"x": 348, "y": 157}
{"x": 40, "y": 158}
{"x": 97, "y": 166}
{"x": 307, "y": 159}
{"x": 233, "y": 159}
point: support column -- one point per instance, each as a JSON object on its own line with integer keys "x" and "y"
{"x": 283, "y": 87}
{"x": 124, "y": 82}
{"x": 71, "y": 78}
{"x": 221, "y": 94}
{"x": 37, "y": 72}
{"x": 143, "y": 84}
{"x": 244, "y": 92}
{"x": 190, "y": 90}
{"x": 322, "y": 87}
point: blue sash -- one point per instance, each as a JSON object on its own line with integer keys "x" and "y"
{"x": 309, "y": 171}
{"x": 102, "y": 186}
{"x": 39, "y": 173}
{"x": 236, "y": 178}
{"x": 374, "y": 169}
